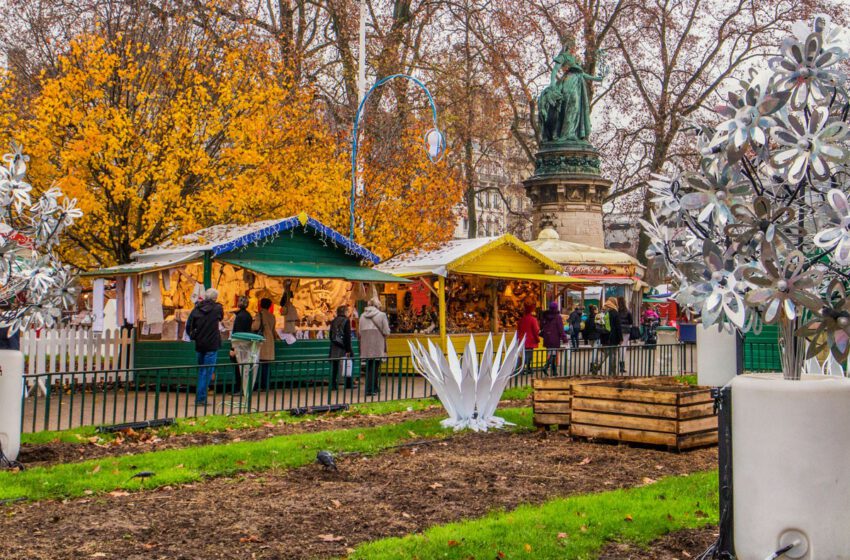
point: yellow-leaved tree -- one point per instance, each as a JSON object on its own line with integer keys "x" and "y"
{"x": 155, "y": 142}
{"x": 160, "y": 132}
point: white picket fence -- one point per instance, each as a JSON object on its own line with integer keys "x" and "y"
{"x": 78, "y": 350}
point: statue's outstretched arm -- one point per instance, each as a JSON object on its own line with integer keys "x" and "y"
{"x": 593, "y": 78}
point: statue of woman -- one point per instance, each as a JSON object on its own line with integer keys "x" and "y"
{"x": 564, "y": 107}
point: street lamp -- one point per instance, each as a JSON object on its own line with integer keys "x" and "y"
{"x": 434, "y": 142}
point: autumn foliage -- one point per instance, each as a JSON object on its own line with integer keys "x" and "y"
{"x": 155, "y": 141}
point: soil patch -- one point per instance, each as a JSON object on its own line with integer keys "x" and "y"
{"x": 313, "y": 513}
{"x": 679, "y": 545}
{"x": 143, "y": 441}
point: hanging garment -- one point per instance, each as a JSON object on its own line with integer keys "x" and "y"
{"x": 152, "y": 299}
{"x": 130, "y": 301}
{"x": 119, "y": 300}
{"x": 97, "y": 304}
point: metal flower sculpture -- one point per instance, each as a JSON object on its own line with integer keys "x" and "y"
{"x": 35, "y": 287}
{"x": 468, "y": 390}
{"x": 760, "y": 234}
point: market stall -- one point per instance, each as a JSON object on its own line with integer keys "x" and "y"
{"x": 467, "y": 286}
{"x": 304, "y": 267}
{"x": 606, "y": 273}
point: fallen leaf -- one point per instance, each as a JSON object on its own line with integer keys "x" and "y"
{"x": 435, "y": 486}
{"x": 686, "y": 554}
{"x": 527, "y": 547}
{"x": 240, "y": 463}
{"x": 647, "y": 480}
{"x": 454, "y": 543}
{"x": 88, "y": 492}
{"x": 411, "y": 433}
{"x": 669, "y": 517}
{"x": 700, "y": 514}
{"x": 250, "y": 538}
{"x": 406, "y": 515}
{"x": 99, "y": 555}
{"x": 149, "y": 546}
{"x": 336, "y": 503}
{"x": 94, "y": 439}
{"x": 562, "y": 535}
{"x": 584, "y": 461}
{"x": 361, "y": 436}
{"x": 118, "y": 493}
{"x": 583, "y": 528}
{"x": 628, "y": 518}
{"x": 500, "y": 554}
{"x": 180, "y": 466}
{"x": 95, "y": 470}
{"x": 330, "y": 538}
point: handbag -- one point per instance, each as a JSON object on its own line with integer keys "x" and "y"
{"x": 347, "y": 368}
{"x": 634, "y": 332}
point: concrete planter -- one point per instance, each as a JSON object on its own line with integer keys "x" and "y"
{"x": 790, "y": 457}
{"x": 11, "y": 391}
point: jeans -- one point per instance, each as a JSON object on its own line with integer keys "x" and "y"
{"x": 206, "y": 359}
{"x": 529, "y": 360}
{"x": 574, "y": 339}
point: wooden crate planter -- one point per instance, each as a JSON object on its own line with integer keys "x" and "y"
{"x": 676, "y": 416}
{"x": 552, "y": 396}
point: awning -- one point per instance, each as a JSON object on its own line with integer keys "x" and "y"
{"x": 160, "y": 262}
{"x": 314, "y": 270}
{"x": 609, "y": 280}
{"x": 550, "y": 278}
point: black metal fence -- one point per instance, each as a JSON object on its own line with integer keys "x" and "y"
{"x": 58, "y": 401}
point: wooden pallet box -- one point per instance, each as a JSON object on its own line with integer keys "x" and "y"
{"x": 552, "y": 396}
{"x": 676, "y": 416}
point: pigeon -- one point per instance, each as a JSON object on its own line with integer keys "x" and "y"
{"x": 142, "y": 474}
{"x": 326, "y": 459}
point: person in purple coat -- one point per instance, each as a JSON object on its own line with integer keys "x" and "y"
{"x": 552, "y": 331}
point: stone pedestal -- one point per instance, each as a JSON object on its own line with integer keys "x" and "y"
{"x": 567, "y": 192}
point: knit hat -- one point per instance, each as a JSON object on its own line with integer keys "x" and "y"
{"x": 553, "y": 306}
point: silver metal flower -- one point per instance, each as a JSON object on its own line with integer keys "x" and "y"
{"x": 713, "y": 194}
{"x": 762, "y": 222}
{"x": 807, "y": 69}
{"x": 837, "y": 237}
{"x": 666, "y": 192}
{"x": 782, "y": 286}
{"x": 748, "y": 119}
{"x": 830, "y": 328}
{"x": 717, "y": 297}
{"x": 814, "y": 146}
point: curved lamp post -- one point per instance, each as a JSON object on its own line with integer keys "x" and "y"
{"x": 435, "y": 144}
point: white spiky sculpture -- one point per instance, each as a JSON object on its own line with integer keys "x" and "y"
{"x": 469, "y": 391}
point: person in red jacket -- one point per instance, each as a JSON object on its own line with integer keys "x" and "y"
{"x": 529, "y": 328}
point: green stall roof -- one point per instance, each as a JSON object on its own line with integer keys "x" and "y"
{"x": 313, "y": 270}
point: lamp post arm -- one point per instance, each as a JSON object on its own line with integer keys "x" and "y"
{"x": 355, "y": 130}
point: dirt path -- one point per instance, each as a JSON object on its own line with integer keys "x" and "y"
{"x": 310, "y": 513}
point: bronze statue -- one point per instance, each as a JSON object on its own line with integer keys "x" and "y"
{"x": 564, "y": 106}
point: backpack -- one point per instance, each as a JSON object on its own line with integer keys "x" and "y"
{"x": 338, "y": 334}
{"x": 603, "y": 322}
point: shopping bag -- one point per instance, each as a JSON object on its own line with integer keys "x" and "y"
{"x": 347, "y": 368}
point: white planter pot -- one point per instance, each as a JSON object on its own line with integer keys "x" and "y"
{"x": 11, "y": 391}
{"x": 791, "y": 466}
{"x": 717, "y": 356}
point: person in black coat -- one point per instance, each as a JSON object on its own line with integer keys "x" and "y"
{"x": 203, "y": 327}
{"x": 340, "y": 335}
{"x": 626, "y": 326}
{"x": 574, "y": 321}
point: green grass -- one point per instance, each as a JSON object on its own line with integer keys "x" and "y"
{"x": 221, "y": 423}
{"x": 566, "y": 528}
{"x": 178, "y": 466}
{"x": 517, "y": 393}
